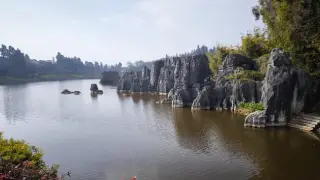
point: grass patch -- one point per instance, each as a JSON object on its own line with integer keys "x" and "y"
{"x": 252, "y": 107}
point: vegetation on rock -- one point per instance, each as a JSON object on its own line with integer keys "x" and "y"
{"x": 216, "y": 58}
{"x": 19, "y": 160}
{"x": 254, "y": 46}
{"x": 246, "y": 75}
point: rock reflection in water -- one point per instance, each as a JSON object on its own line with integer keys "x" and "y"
{"x": 192, "y": 129}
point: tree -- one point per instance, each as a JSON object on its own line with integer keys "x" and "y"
{"x": 256, "y": 44}
{"x": 4, "y": 51}
{"x": 295, "y": 26}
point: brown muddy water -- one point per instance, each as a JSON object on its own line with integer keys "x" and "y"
{"x": 114, "y": 137}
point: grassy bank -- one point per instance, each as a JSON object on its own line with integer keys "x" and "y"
{"x": 19, "y": 160}
{"x": 247, "y": 108}
{"x": 5, "y": 80}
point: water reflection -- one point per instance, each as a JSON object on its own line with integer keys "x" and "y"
{"x": 135, "y": 135}
{"x": 269, "y": 149}
{"x": 122, "y": 96}
{"x": 192, "y": 130}
{"x": 94, "y": 96}
{"x": 14, "y": 102}
{"x": 135, "y": 98}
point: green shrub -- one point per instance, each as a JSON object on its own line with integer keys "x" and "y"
{"x": 256, "y": 44}
{"x": 216, "y": 58}
{"x": 252, "y": 106}
{"x": 246, "y": 75}
{"x": 19, "y": 160}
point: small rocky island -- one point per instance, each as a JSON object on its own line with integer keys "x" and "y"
{"x": 95, "y": 90}
{"x": 66, "y": 91}
{"x": 188, "y": 82}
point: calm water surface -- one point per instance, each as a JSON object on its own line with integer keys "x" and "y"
{"x": 114, "y": 137}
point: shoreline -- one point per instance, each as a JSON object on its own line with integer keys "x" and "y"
{"x": 238, "y": 111}
{"x": 17, "y": 81}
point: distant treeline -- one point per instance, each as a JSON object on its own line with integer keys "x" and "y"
{"x": 16, "y": 64}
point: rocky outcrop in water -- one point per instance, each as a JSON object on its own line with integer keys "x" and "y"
{"x": 186, "y": 75}
{"x": 94, "y": 87}
{"x": 189, "y": 77}
{"x": 284, "y": 92}
{"x": 66, "y": 91}
{"x": 155, "y": 73}
{"x": 110, "y": 78}
{"x": 135, "y": 82}
{"x": 166, "y": 78}
{"x": 225, "y": 93}
{"x": 188, "y": 81}
{"x": 124, "y": 84}
{"x": 95, "y": 90}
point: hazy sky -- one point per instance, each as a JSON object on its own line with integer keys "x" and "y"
{"x": 121, "y": 30}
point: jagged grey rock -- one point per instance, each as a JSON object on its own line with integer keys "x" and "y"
{"x": 256, "y": 119}
{"x": 236, "y": 60}
{"x": 203, "y": 100}
{"x": 135, "y": 82}
{"x": 145, "y": 74}
{"x": 155, "y": 73}
{"x": 284, "y": 90}
{"x": 189, "y": 76}
{"x": 126, "y": 81}
{"x": 94, "y": 87}
{"x": 245, "y": 91}
{"x": 225, "y": 93}
{"x": 166, "y": 78}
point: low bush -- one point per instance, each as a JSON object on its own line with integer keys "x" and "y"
{"x": 19, "y": 160}
{"x": 252, "y": 106}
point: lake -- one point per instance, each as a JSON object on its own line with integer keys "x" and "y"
{"x": 112, "y": 137}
